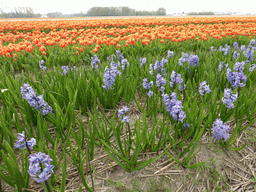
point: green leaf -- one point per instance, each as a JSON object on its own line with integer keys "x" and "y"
{"x": 237, "y": 148}
{"x": 63, "y": 179}
{"x": 108, "y": 148}
{"x": 7, "y": 178}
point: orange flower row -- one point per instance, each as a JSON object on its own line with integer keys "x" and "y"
{"x": 90, "y": 22}
{"x": 14, "y": 41}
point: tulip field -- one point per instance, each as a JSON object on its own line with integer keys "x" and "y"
{"x": 79, "y": 98}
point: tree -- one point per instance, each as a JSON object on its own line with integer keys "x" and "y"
{"x": 19, "y": 12}
{"x": 161, "y": 11}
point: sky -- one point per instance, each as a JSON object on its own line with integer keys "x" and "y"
{"x": 171, "y": 6}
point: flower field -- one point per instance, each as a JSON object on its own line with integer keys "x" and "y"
{"x": 70, "y": 89}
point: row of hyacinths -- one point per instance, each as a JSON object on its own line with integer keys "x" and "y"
{"x": 40, "y": 168}
{"x": 237, "y": 78}
{"x": 174, "y": 106}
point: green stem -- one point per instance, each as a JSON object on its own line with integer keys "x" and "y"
{"x": 129, "y": 148}
{"x": 90, "y": 173}
{"x": 46, "y": 183}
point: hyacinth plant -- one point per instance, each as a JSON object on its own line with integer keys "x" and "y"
{"x": 126, "y": 153}
{"x": 40, "y": 167}
{"x": 114, "y": 84}
{"x": 37, "y": 166}
{"x": 186, "y": 93}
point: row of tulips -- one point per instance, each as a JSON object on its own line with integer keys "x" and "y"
{"x": 14, "y": 43}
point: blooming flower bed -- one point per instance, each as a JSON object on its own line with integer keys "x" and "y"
{"x": 172, "y": 70}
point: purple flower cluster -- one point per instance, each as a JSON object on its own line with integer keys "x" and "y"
{"x": 194, "y": 59}
{"x": 186, "y": 125}
{"x": 95, "y": 61}
{"x": 120, "y": 56}
{"x": 112, "y": 63}
{"x": 243, "y": 48}
{"x": 147, "y": 85}
{"x": 158, "y": 66}
{"x": 229, "y": 98}
{"x": 142, "y": 61}
{"x": 204, "y": 88}
{"x": 170, "y": 54}
{"x": 221, "y": 65}
{"x": 120, "y": 59}
{"x": 226, "y": 49}
{"x": 236, "y": 46}
{"x": 236, "y": 78}
{"x": 22, "y": 142}
{"x": 239, "y": 66}
{"x": 176, "y": 78}
{"x": 111, "y": 57}
{"x": 174, "y": 107}
{"x": 236, "y": 54}
{"x": 122, "y": 114}
{"x": 41, "y": 65}
{"x": 160, "y": 82}
{"x": 35, "y": 167}
{"x": 252, "y": 67}
{"x": 252, "y": 43}
{"x": 124, "y": 63}
{"x": 183, "y": 59}
{"x": 220, "y": 130}
{"x": 150, "y": 93}
{"x": 212, "y": 49}
{"x": 191, "y": 59}
{"x": 109, "y": 77}
{"x": 249, "y": 54}
{"x": 37, "y": 102}
{"x": 66, "y": 68}
{"x": 220, "y": 48}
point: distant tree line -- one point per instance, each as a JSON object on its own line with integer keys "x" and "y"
{"x": 54, "y": 14}
{"x": 201, "y": 13}
{"x": 19, "y": 12}
{"x": 27, "y": 12}
{"x": 59, "y": 14}
{"x": 122, "y": 11}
